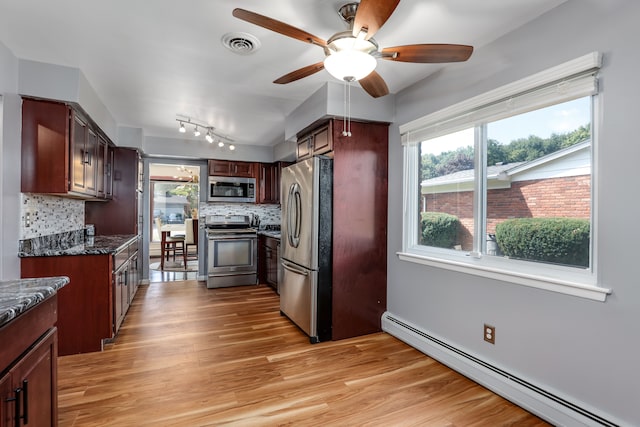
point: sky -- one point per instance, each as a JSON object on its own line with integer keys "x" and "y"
{"x": 560, "y": 118}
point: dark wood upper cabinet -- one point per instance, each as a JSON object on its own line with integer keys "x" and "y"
{"x": 45, "y": 147}
{"x": 119, "y": 215}
{"x": 84, "y": 151}
{"x": 231, "y": 168}
{"x": 315, "y": 142}
{"x": 61, "y": 151}
{"x": 268, "y": 183}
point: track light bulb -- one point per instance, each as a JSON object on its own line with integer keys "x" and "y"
{"x": 232, "y": 147}
{"x": 208, "y": 137}
{"x": 182, "y": 129}
{"x": 220, "y": 144}
{"x": 196, "y": 132}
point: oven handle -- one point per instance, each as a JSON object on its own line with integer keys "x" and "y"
{"x": 233, "y": 237}
{"x": 293, "y": 269}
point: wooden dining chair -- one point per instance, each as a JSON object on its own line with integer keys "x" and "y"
{"x": 191, "y": 237}
{"x": 171, "y": 245}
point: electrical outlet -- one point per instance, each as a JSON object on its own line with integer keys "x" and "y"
{"x": 489, "y": 333}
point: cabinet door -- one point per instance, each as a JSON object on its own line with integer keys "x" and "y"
{"x": 108, "y": 172}
{"x": 7, "y": 402}
{"x": 125, "y": 291}
{"x": 45, "y": 147}
{"x": 269, "y": 182}
{"x": 101, "y": 167}
{"x": 304, "y": 150}
{"x": 78, "y": 138}
{"x": 272, "y": 261}
{"x": 262, "y": 259}
{"x": 219, "y": 168}
{"x": 118, "y": 313}
{"x": 244, "y": 169}
{"x": 322, "y": 140}
{"x": 91, "y": 163}
{"x": 35, "y": 376}
{"x": 133, "y": 278}
{"x": 79, "y": 155}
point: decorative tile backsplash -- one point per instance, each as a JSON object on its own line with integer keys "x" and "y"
{"x": 269, "y": 214}
{"x": 48, "y": 215}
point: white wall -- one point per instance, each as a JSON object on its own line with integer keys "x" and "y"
{"x": 201, "y": 149}
{"x": 584, "y": 351}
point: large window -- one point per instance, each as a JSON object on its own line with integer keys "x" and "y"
{"x": 504, "y": 183}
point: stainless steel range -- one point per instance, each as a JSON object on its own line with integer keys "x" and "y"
{"x": 232, "y": 251}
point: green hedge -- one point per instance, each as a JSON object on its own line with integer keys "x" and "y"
{"x": 439, "y": 229}
{"x": 556, "y": 240}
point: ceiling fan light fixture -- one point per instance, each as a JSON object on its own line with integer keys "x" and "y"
{"x": 350, "y": 64}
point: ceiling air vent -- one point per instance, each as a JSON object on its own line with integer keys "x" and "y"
{"x": 241, "y": 43}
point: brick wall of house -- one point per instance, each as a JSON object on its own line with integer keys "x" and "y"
{"x": 544, "y": 198}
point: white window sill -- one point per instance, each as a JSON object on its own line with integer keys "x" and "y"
{"x": 532, "y": 280}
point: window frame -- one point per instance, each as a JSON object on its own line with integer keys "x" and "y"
{"x": 541, "y": 89}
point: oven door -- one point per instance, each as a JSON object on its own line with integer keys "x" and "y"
{"x": 232, "y": 260}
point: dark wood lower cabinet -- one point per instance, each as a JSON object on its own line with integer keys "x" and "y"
{"x": 28, "y": 386}
{"x": 97, "y": 284}
{"x": 268, "y": 260}
{"x": 85, "y": 317}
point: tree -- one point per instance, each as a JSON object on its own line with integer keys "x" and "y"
{"x": 518, "y": 150}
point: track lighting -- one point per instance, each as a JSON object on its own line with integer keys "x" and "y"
{"x": 210, "y": 135}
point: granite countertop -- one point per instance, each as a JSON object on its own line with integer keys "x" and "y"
{"x": 98, "y": 245}
{"x": 17, "y": 296}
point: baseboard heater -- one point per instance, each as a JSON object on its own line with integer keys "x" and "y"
{"x": 535, "y": 399}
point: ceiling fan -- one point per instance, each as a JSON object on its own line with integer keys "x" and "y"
{"x": 352, "y": 55}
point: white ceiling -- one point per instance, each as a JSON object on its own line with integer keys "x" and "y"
{"x": 151, "y": 60}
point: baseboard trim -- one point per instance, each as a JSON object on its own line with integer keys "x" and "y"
{"x": 535, "y": 399}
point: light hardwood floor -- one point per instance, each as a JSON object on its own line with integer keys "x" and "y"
{"x": 191, "y": 356}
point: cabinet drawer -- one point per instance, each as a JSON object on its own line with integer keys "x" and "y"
{"x": 119, "y": 258}
{"x": 133, "y": 248}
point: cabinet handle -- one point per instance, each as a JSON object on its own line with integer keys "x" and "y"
{"x": 25, "y": 401}
{"x": 87, "y": 157}
{"x": 16, "y": 417}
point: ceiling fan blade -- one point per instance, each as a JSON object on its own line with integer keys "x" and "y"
{"x": 374, "y": 85}
{"x": 371, "y": 15}
{"x": 278, "y": 27}
{"x": 428, "y": 53}
{"x": 300, "y": 73}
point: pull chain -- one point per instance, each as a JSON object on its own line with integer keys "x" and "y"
{"x": 346, "y": 120}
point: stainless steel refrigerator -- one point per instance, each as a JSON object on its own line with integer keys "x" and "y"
{"x": 306, "y": 239}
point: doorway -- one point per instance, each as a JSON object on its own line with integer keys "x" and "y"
{"x": 174, "y": 202}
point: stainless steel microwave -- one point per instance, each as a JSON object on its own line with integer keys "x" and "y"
{"x": 231, "y": 189}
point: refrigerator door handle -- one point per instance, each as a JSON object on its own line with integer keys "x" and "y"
{"x": 294, "y": 207}
{"x": 293, "y": 269}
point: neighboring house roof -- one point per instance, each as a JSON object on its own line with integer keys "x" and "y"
{"x": 570, "y": 161}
